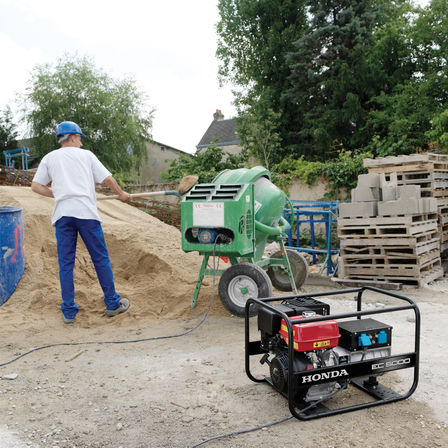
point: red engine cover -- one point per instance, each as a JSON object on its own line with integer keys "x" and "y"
{"x": 312, "y": 335}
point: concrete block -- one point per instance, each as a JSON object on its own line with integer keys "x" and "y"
{"x": 409, "y": 192}
{"x": 366, "y": 194}
{"x": 429, "y": 205}
{"x": 358, "y": 209}
{"x": 399, "y": 207}
{"x": 393, "y": 180}
{"x": 407, "y": 207}
{"x": 389, "y": 192}
{"x": 371, "y": 180}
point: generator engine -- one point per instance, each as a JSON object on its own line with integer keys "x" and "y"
{"x": 318, "y": 345}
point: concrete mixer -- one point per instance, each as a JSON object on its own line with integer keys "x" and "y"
{"x": 234, "y": 217}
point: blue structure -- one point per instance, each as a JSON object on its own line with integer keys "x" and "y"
{"x": 311, "y": 213}
{"x": 20, "y": 152}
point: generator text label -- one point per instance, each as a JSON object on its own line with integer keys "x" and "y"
{"x": 389, "y": 364}
{"x": 324, "y": 376}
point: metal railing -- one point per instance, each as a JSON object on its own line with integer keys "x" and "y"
{"x": 312, "y": 213}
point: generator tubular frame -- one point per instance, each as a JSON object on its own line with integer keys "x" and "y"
{"x": 359, "y": 372}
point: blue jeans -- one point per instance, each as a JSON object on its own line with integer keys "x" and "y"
{"x": 67, "y": 229}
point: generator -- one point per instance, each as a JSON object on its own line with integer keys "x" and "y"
{"x": 312, "y": 355}
{"x": 233, "y": 218}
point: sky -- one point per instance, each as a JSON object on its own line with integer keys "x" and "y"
{"x": 168, "y": 47}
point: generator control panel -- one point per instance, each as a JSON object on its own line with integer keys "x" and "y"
{"x": 360, "y": 334}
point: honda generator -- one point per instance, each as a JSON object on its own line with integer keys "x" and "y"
{"x": 313, "y": 355}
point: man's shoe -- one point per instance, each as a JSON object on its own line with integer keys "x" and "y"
{"x": 124, "y": 306}
{"x": 69, "y": 320}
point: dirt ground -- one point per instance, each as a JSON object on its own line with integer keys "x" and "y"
{"x": 180, "y": 391}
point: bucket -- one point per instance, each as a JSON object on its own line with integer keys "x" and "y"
{"x": 12, "y": 250}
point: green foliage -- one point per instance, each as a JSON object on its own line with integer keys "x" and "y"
{"x": 254, "y": 39}
{"x": 257, "y": 130}
{"x": 8, "y": 132}
{"x": 207, "y": 165}
{"x": 439, "y": 132}
{"x": 365, "y": 74}
{"x": 330, "y": 77}
{"x": 341, "y": 174}
{"x": 112, "y": 113}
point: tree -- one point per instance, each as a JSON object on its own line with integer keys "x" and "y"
{"x": 207, "y": 165}
{"x": 254, "y": 39}
{"x": 112, "y": 113}
{"x": 330, "y": 80}
{"x": 257, "y": 130}
{"x": 8, "y": 132}
{"x": 413, "y": 110}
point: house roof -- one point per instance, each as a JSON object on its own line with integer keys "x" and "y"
{"x": 223, "y": 131}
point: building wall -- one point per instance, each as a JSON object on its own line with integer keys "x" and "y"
{"x": 155, "y": 164}
{"x": 303, "y": 192}
{"x": 231, "y": 149}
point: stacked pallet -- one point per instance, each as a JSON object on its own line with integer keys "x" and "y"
{"x": 429, "y": 171}
{"x": 389, "y": 233}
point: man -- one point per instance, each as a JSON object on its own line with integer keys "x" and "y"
{"x": 73, "y": 173}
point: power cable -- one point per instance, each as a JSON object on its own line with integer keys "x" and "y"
{"x": 257, "y": 428}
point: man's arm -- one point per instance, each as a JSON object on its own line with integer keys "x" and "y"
{"x": 41, "y": 189}
{"x": 113, "y": 185}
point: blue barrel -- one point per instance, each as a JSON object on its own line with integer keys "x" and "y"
{"x": 12, "y": 250}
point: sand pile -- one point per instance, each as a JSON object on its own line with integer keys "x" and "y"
{"x": 148, "y": 264}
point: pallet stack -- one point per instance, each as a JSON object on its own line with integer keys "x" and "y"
{"x": 389, "y": 233}
{"x": 429, "y": 171}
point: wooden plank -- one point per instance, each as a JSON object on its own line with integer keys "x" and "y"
{"x": 391, "y": 260}
{"x": 396, "y": 160}
{"x": 377, "y": 284}
{"x": 411, "y": 240}
{"x": 420, "y": 281}
{"x": 384, "y": 232}
{"x": 392, "y": 250}
{"x": 387, "y": 220}
{"x": 390, "y": 270}
{"x": 388, "y": 169}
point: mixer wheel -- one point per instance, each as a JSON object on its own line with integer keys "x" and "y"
{"x": 279, "y": 276}
{"x": 241, "y": 282}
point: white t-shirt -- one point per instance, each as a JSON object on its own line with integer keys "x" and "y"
{"x": 73, "y": 173}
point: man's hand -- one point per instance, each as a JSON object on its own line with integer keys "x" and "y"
{"x": 113, "y": 185}
{"x": 124, "y": 197}
{"x": 41, "y": 189}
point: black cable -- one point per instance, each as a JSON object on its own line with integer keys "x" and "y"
{"x": 130, "y": 341}
{"x": 256, "y": 428}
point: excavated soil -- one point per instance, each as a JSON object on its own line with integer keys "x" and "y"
{"x": 179, "y": 391}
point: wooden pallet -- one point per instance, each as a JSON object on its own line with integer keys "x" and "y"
{"x": 391, "y": 259}
{"x": 403, "y": 270}
{"x": 412, "y": 241}
{"x": 383, "y": 227}
{"x": 404, "y": 161}
{"x": 388, "y": 249}
{"x": 432, "y": 183}
{"x": 423, "y": 279}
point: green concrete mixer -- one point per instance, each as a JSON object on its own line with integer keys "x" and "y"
{"x": 234, "y": 217}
